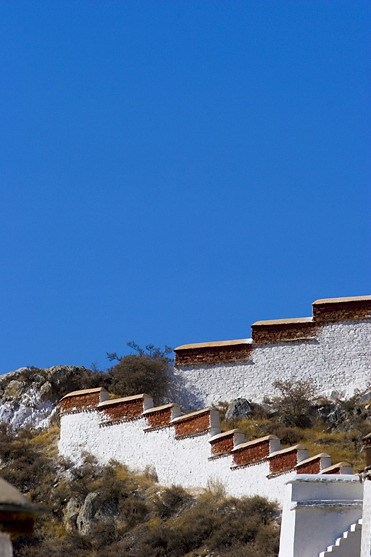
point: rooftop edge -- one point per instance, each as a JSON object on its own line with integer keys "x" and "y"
{"x": 215, "y": 344}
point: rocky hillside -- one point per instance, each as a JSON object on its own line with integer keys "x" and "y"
{"x": 28, "y": 396}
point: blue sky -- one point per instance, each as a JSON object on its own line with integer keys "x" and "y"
{"x": 172, "y": 171}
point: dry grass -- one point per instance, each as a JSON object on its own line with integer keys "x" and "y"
{"x": 46, "y": 440}
{"x": 340, "y": 445}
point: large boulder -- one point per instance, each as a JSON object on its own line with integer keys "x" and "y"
{"x": 96, "y": 510}
{"x": 85, "y": 518}
{"x": 238, "y": 409}
{"x": 71, "y": 512}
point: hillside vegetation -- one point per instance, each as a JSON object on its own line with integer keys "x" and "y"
{"x": 28, "y": 396}
{"x": 297, "y": 415}
{"x": 94, "y": 510}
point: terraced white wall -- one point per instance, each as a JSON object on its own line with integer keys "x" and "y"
{"x": 176, "y": 461}
{"x": 338, "y": 359}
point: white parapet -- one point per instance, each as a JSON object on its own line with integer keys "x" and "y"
{"x": 182, "y": 458}
{"x": 190, "y": 450}
{"x": 366, "y": 525}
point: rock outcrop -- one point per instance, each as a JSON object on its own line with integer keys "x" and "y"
{"x": 28, "y": 396}
{"x": 237, "y": 409}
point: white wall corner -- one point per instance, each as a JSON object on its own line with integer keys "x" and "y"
{"x": 324, "y": 505}
{"x": 6, "y": 548}
{"x": 366, "y": 520}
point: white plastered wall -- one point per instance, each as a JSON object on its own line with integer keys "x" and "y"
{"x": 176, "y": 461}
{"x": 337, "y": 360}
{"x": 366, "y": 520}
{"x": 318, "y": 509}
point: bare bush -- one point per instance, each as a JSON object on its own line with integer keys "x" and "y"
{"x": 294, "y": 402}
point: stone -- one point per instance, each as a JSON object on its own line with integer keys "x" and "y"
{"x": 365, "y": 396}
{"x": 13, "y": 389}
{"x": 85, "y": 518}
{"x": 46, "y": 391}
{"x": 38, "y": 379}
{"x": 28, "y": 396}
{"x": 237, "y": 409}
{"x": 70, "y": 515}
{"x": 95, "y": 510}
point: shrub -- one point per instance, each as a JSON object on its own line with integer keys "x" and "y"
{"x": 171, "y": 501}
{"x": 294, "y": 402}
{"x": 141, "y": 373}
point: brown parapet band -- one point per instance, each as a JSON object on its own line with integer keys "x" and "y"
{"x": 79, "y": 403}
{"x": 188, "y": 425}
{"x": 313, "y": 467}
{"x": 251, "y": 453}
{"x": 213, "y": 354}
{"x": 283, "y": 332}
{"x": 161, "y": 418}
{"x": 327, "y": 311}
{"x": 223, "y": 445}
{"x": 284, "y": 460}
{"x": 125, "y": 410}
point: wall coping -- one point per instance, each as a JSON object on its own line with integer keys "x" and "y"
{"x": 312, "y": 459}
{"x": 341, "y": 300}
{"x": 288, "y": 450}
{"x": 159, "y": 408}
{"x": 83, "y": 392}
{"x": 318, "y": 478}
{"x": 224, "y": 434}
{"x": 190, "y": 415}
{"x": 286, "y": 321}
{"x": 114, "y": 401}
{"x": 11, "y": 497}
{"x": 342, "y": 464}
{"x": 254, "y": 442}
{"x": 216, "y": 344}
{"x": 17, "y": 512}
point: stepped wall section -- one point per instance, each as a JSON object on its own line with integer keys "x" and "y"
{"x": 183, "y": 449}
{"x": 331, "y": 349}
